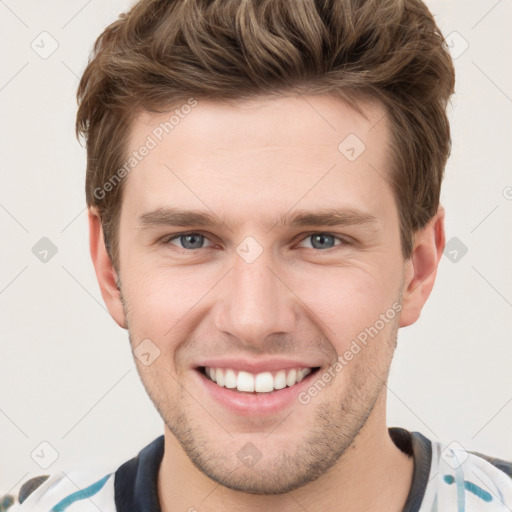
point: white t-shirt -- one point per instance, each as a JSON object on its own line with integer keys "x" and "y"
{"x": 446, "y": 479}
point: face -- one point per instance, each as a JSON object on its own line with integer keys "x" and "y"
{"x": 294, "y": 257}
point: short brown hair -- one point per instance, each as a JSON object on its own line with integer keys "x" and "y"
{"x": 163, "y": 52}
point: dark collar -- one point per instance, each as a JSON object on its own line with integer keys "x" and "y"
{"x": 136, "y": 481}
{"x": 415, "y": 445}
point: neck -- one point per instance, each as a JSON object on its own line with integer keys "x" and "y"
{"x": 373, "y": 474}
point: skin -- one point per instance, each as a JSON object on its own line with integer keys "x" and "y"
{"x": 250, "y": 164}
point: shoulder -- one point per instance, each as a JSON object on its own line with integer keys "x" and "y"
{"x": 503, "y": 465}
{"x": 84, "y": 490}
{"x": 73, "y": 491}
{"x": 480, "y": 482}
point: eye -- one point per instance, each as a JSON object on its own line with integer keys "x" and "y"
{"x": 323, "y": 240}
{"x": 187, "y": 241}
{"x": 193, "y": 240}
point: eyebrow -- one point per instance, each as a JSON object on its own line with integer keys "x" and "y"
{"x": 170, "y": 216}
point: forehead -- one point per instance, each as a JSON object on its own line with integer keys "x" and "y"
{"x": 250, "y": 154}
{"x": 318, "y": 120}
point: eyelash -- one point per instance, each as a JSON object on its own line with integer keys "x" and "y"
{"x": 343, "y": 240}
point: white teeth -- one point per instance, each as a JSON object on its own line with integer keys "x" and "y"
{"x": 264, "y": 382}
{"x": 280, "y": 380}
{"x": 230, "y": 379}
{"x": 245, "y": 382}
{"x": 291, "y": 378}
{"x": 219, "y": 377}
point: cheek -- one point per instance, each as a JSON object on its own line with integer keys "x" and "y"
{"x": 358, "y": 315}
{"x": 349, "y": 300}
{"x": 163, "y": 301}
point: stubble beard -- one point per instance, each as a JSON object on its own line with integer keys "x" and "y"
{"x": 337, "y": 424}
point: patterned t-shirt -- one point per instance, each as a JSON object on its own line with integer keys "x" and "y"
{"x": 446, "y": 478}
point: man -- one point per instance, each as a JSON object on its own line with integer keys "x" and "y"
{"x": 263, "y": 186}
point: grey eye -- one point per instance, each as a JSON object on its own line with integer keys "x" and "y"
{"x": 322, "y": 241}
{"x": 192, "y": 240}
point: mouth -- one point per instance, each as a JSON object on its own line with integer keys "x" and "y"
{"x": 264, "y": 383}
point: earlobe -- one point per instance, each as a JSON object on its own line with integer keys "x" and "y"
{"x": 421, "y": 268}
{"x": 105, "y": 270}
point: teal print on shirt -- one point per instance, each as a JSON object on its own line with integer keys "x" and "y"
{"x": 471, "y": 487}
{"x": 80, "y": 495}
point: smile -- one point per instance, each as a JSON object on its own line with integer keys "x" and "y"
{"x": 264, "y": 382}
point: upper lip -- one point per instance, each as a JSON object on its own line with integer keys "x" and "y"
{"x": 257, "y": 366}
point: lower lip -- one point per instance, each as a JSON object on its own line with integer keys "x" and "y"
{"x": 251, "y": 404}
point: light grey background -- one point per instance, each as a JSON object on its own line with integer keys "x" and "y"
{"x": 67, "y": 375}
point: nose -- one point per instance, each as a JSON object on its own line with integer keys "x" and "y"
{"x": 256, "y": 302}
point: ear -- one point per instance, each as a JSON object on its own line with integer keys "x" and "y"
{"x": 421, "y": 268}
{"x": 105, "y": 270}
